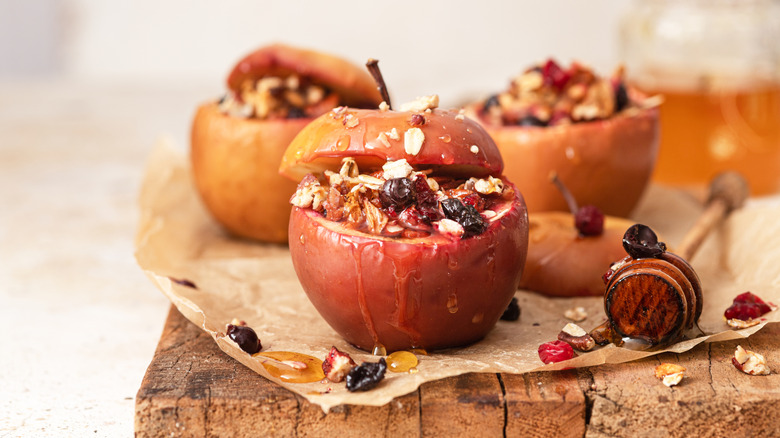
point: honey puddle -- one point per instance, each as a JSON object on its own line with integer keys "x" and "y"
{"x": 291, "y": 367}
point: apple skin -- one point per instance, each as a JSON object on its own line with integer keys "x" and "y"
{"x": 562, "y": 263}
{"x": 447, "y": 147}
{"x": 234, "y": 163}
{"x": 433, "y": 293}
{"x": 606, "y": 163}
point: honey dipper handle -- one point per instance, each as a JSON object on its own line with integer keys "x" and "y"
{"x": 728, "y": 191}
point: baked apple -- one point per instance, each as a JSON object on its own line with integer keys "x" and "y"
{"x": 404, "y": 233}
{"x": 238, "y": 141}
{"x": 596, "y": 133}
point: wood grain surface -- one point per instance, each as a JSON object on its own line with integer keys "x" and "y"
{"x": 191, "y": 388}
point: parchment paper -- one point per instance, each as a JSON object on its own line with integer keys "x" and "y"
{"x": 256, "y": 283}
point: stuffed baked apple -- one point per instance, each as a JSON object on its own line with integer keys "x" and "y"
{"x": 598, "y": 135}
{"x": 238, "y": 142}
{"x": 404, "y": 233}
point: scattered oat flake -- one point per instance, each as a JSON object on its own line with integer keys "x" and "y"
{"x": 384, "y": 106}
{"x": 740, "y": 324}
{"x": 421, "y": 104}
{"x": 393, "y": 134}
{"x": 382, "y": 138}
{"x": 576, "y": 314}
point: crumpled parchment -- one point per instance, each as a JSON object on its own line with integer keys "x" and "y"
{"x": 177, "y": 239}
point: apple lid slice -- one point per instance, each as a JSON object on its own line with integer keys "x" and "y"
{"x": 442, "y": 140}
{"x": 355, "y": 86}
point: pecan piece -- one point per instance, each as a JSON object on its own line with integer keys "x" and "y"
{"x": 578, "y": 338}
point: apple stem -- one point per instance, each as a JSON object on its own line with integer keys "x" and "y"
{"x": 565, "y": 192}
{"x": 373, "y": 68}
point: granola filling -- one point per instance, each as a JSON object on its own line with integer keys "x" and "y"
{"x": 548, "y": 95}
{"x": 398, "y": 201}
{"x": 273, "y": 97}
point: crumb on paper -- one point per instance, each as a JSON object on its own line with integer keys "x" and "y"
{"x": 669, "y": 373}
{"x": 576, "y": 314}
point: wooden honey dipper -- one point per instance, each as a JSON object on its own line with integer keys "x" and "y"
{"x": 654, "y": 297}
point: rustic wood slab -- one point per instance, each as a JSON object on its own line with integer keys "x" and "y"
{"x": 191, "y": 388}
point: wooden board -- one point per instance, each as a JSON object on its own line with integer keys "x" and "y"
{"x": 191, "y": 388}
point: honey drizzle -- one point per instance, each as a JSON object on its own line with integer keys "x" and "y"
{"x": 274, "y": 363}
{"x": 357, "y": 252}
{"x": 405, "y": 310}
{"x": 401, "y": 361}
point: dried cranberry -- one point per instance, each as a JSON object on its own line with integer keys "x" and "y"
{"x": 747, "y": 306}
{"x": 245, "y": 337}
{"x": 474, "y": 200}
{"x": 640, "y": 241}
{"x": 530, "y": 120}
{"x": 589, "y": 221}
{"x": 490, "y": 103}
{"x": 337, "y": 365}
{"x": 397, "y": 193}
{"x": 621, "y": 97}
{"x": 413, "y": 219}
{"x": 555, "y": 351}
{"x": 512, "y": 312}
{"x": 554, "y": 75}
{"x": 366, "y": 376}
{"x": 467, "y": 216}
{"x": 425, "y": 196}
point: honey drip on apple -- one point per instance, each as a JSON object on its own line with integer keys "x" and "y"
{"x": 407, "y": 305}
{"x": 291, "y": 367}
{"x": 401, "y": 361}
{"x": 357, "y": 251}
{"x": 452, "y": 303}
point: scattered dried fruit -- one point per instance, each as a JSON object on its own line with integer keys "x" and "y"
{"x": 671, "y": 374}
{"x": 337, "y": 365}
{"x": 512, "y": 312}
{"x": 245, "y": 337}
{"x": 640, "y": 241}
{"x": 555, "y": 351}
{"x": 366, "y": 376}
{"x": 746, "y": 306}
{"x": 750, "y": 362}
{"x": 575, "y": 336}
{"x": 576, "y": 314}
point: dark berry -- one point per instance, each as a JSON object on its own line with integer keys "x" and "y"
{"x": 425, "y": 196}
{"x": 295, "y": 113}
{"x": 512, "y": 312}
{"x": 366, "y": 376}
{"x": 417, "y": 120}
{"x": 640, "y": 241}
{"x": 245, "y": 337}
{"x": 490, "y": 103}
{"x": 589, "y": 221}
{"x": 747, "y": 306}
{"x": 530, "y": 120}
{"x": 621, "y": 97}
{"x": 555, "y": 351}
{"x": 467, "y": 216}
{"x": 397, "y": 193}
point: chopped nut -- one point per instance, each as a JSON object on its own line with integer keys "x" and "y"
{"x": 488, "y": 186}
{"x": 672, "y": 379}
{"x": 370, "y": 181}
{"x": 393, "y": 134}
{"x": 575, "y": 336}
{"x": 666, "y": 369}
{"x": 383, "y": 106}
{"x": 449, "y": 226}
{"x": 349, "y": 168}
{"x": 530, "y": 81}
{"x": 350, "y": 121}
{"x": 750, "y": 362}
{"x": 382, "y": 137}
{"x": 421, "y": 104}
{"x": 413, "y": 141}
{"x": 337, "y": 365}
{"x": 396, "y": 169}
{"x": 376, "y": 219}
{"x": 474, "y": 149}
{"x": 461, "y": 114}
{"x": 309, "y": 193}
{"x": 576, "y": 314}
{"x": 740, "y": 324}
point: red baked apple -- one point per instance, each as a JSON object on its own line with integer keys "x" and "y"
{"x": 403, "y": 233}
{"x": 597, "y": 134}
{"x": 238, "y": 142}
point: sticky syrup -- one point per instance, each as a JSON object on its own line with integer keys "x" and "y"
{"x": 452, "y": 303}
{"x": 446, "y": 138}
{"x": 343, "y": 143}
{"x": 291, "y": 367}
{"x": 401, "y": 361}
{"x": 379, "y": 350}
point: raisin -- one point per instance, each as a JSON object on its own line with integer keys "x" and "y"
{"x": 366, "y": 376}
{"x": 621, "y": 97}
{"x": 397, "y": 193}
{"x": 245, "y": 337}
{"x": 530, "y": 120}
{"x": 467, "y": 216}
{"x": 295, "y": 113}
{"x": 512, "y": 312}
{"x": 589, "y": 220}
{"x": 640, "y": 241}
{"x": 490, "y": 103}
